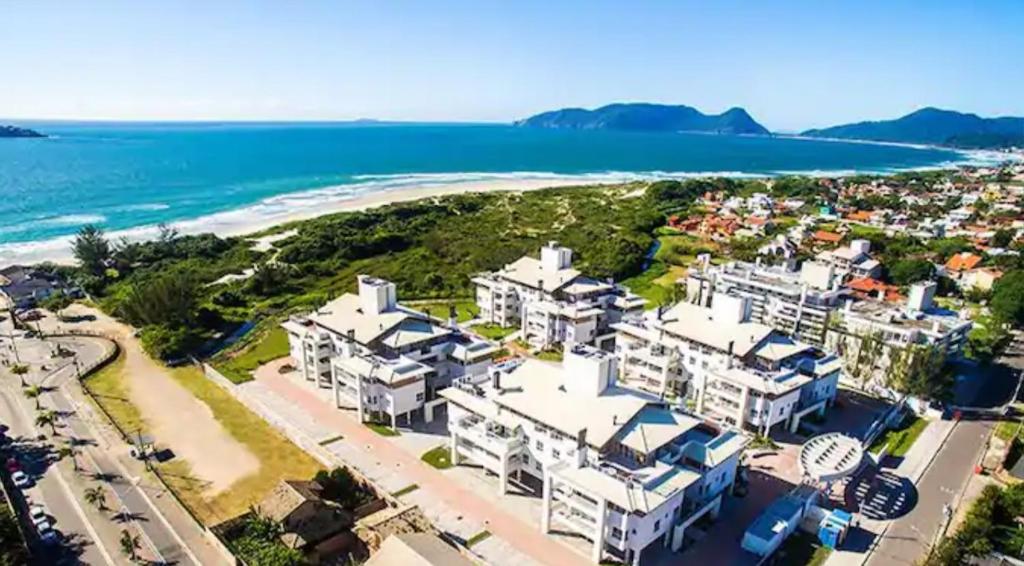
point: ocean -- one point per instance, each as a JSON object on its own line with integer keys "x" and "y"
{"x": 127, "y": 178}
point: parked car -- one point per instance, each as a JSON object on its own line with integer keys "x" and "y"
{"x": 21, "y": 479}
{"x": 48, "y": 535}
{"x": 38, "y": 515}
{"x": 12, "y": 465}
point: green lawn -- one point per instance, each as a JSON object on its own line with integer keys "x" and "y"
{"x": 550, "y": 355}
{"x": 802, "y": 549}
{"x": 1006, "y": 430}
{"x": 439, "y": 457}
{"x": 465, "y": 309}
{"x": 382, "y": 429}
{"x": 899, "y": 440}
{"x": 493, "y": 331}
{"x": 238, "y": 366}
{"x": 645, "y": 286}
{"x": 406, "y": 490}
{"x": 478, "y": 538}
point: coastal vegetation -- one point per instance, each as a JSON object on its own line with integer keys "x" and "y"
{"x": 991, "y": 525}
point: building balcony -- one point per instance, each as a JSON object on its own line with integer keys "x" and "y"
{"x": 578, "y": 522}
{"x": 491, "y": 436}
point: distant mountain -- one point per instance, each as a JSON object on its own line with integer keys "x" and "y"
{"x": 644, "y": 117}
{"x": 936, "y": 127}
{"x": 16, "y": 132}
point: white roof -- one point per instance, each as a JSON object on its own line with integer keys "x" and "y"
{"x": 695, "y": 324}
{"x": 655, "y": 427}
{"x": 416, "y": 549}
{"x": 632, "y": 496}
{"x": 771, "y": 384}
{"x": 529, "y": 271}
{"x": 778, "y": 347}
{"x": 346, "y": 313}
{"x": 388, "y": 371}
{"x": 534, "y": 389}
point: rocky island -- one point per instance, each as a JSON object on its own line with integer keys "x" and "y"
{"x": 16, "y": 132}
{"x": 644, "y": 117}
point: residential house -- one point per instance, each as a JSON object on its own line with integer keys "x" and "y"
{"x": 307, "y": 520}
{"x": 551, "y": 302}
{"x": 897, "y": 327}
{"x": 796, "y": 302}
{"x": 852, "y": 261}
{"x": 734, "y": 371}
{"x": 617, "y": 467}
{"x": 417, "y": 549}
{"x": 24, "y": 287}
{"x": 380, "y": 357}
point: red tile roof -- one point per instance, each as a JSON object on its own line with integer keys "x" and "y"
{"x": 963, "y": 261}
{"x": 830, "y": 237}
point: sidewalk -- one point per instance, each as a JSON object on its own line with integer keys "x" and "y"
{"x": 913, "y": 466}
{"x": 447, "y": 503}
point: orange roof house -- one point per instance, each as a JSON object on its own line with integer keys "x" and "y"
{"x": 868, "y": 288}
{"x": 828, "y": 237}
{"x": 859, "y": 216}
{"x": 963, "y": 261}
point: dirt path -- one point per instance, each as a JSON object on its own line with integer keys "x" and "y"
{"x": 177, "y": 420}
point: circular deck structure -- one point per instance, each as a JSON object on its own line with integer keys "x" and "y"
{"x": 830, "y": 457}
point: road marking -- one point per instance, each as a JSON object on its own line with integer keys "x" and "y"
{"x": 67, "y": 489}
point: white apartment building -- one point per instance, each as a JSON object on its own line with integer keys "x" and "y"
{"x": 732, "y": 370}
{"x": 852, "y": 261}
{"x": 797, "y": 303}
{"x": 551, "y": 302}
{"x": 918, "y": 322}
{"x": 615, "y": 466}
{"x": 381, "y": 358}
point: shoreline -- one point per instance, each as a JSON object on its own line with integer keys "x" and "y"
{"x": 246, "y": 221}
{"x": 301, "y": 205}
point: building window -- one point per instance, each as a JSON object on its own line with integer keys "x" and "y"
{"x": 616, "y": 533}
{"x": 657, "y": 525}
{"x": 419, "y": 397}
{"x": 540, "y": 446}
{"x": 555, "y": 454}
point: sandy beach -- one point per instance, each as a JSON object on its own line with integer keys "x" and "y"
{"x": 283, "y": 209}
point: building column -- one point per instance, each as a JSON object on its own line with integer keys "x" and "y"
{"x": 636, "y": 556}
{"x": 359, "y": 399}
{"x": 602, "y": 515}
{"x": 453, "y": 448}
{"x": 394, "y": 418}
{"x": 335, "y": 388}
{"x": 503, "y": 475}
{"x": 545, "y": 510}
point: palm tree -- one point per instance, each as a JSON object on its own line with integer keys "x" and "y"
{"x": 130, "y": 544}
{"x": 47, "y": 418}
{"x": 33, "y": 392}
{"x": 20, "y": 370}
{"x": 96, "y": 496}
{"x": 69, "y": 450}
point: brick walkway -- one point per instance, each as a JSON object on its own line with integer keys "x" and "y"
{"x": 527, "y": 539}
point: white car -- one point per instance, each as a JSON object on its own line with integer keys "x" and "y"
{"x": 20, "y": 479}
{"x": 38, "y": 514}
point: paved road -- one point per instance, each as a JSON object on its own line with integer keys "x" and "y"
{"x": 49, "y": 490}
{"x": 157, "y": 534}
{"x": 910, "y": 536}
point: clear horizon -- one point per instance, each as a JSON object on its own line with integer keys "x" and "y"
{"x": 791, "y": 65}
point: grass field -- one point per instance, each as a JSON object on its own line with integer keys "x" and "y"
{"x": 465, "y": 309}
{"x": 272, "y": 343}
{"x": 279, "y": 458}
{"x": 899, "y": 440}
{"x": 493, "y": 331}
{"x": 803, "y": 549}
{"x": 109, "y": 387}
{"x": 439, "y": 457}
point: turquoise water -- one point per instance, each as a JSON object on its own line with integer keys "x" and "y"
{"x": 123, "y": 177}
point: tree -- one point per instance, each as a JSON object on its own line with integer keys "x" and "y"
{"x": 33, "y": 392}
{"x": 57, "y": 302}
{"x": 167, "y": 299}
{"x": 96, "y": 497}
{"x": 918, "y": 370}
{"x": 69, "y": 450}
{"x": 20, "y": 370}
{"x": 91, "y": 249}
{"x": 47, "y": 418}
{"x": 166, "y": 343}
{"x": 1003, "y": 238}
{"x": 907, "y": 271}
{"x": 130, "y": 544}
{"x": 1008, "y": 298}
{"x": 862, "y": 362}
{"x": 987, "y": 339}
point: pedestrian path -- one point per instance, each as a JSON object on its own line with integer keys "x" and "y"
{"x": 912, "y": 467}
{"x": 451, "y": 507}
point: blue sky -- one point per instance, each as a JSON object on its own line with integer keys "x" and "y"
{"x": 792, "y": 64}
